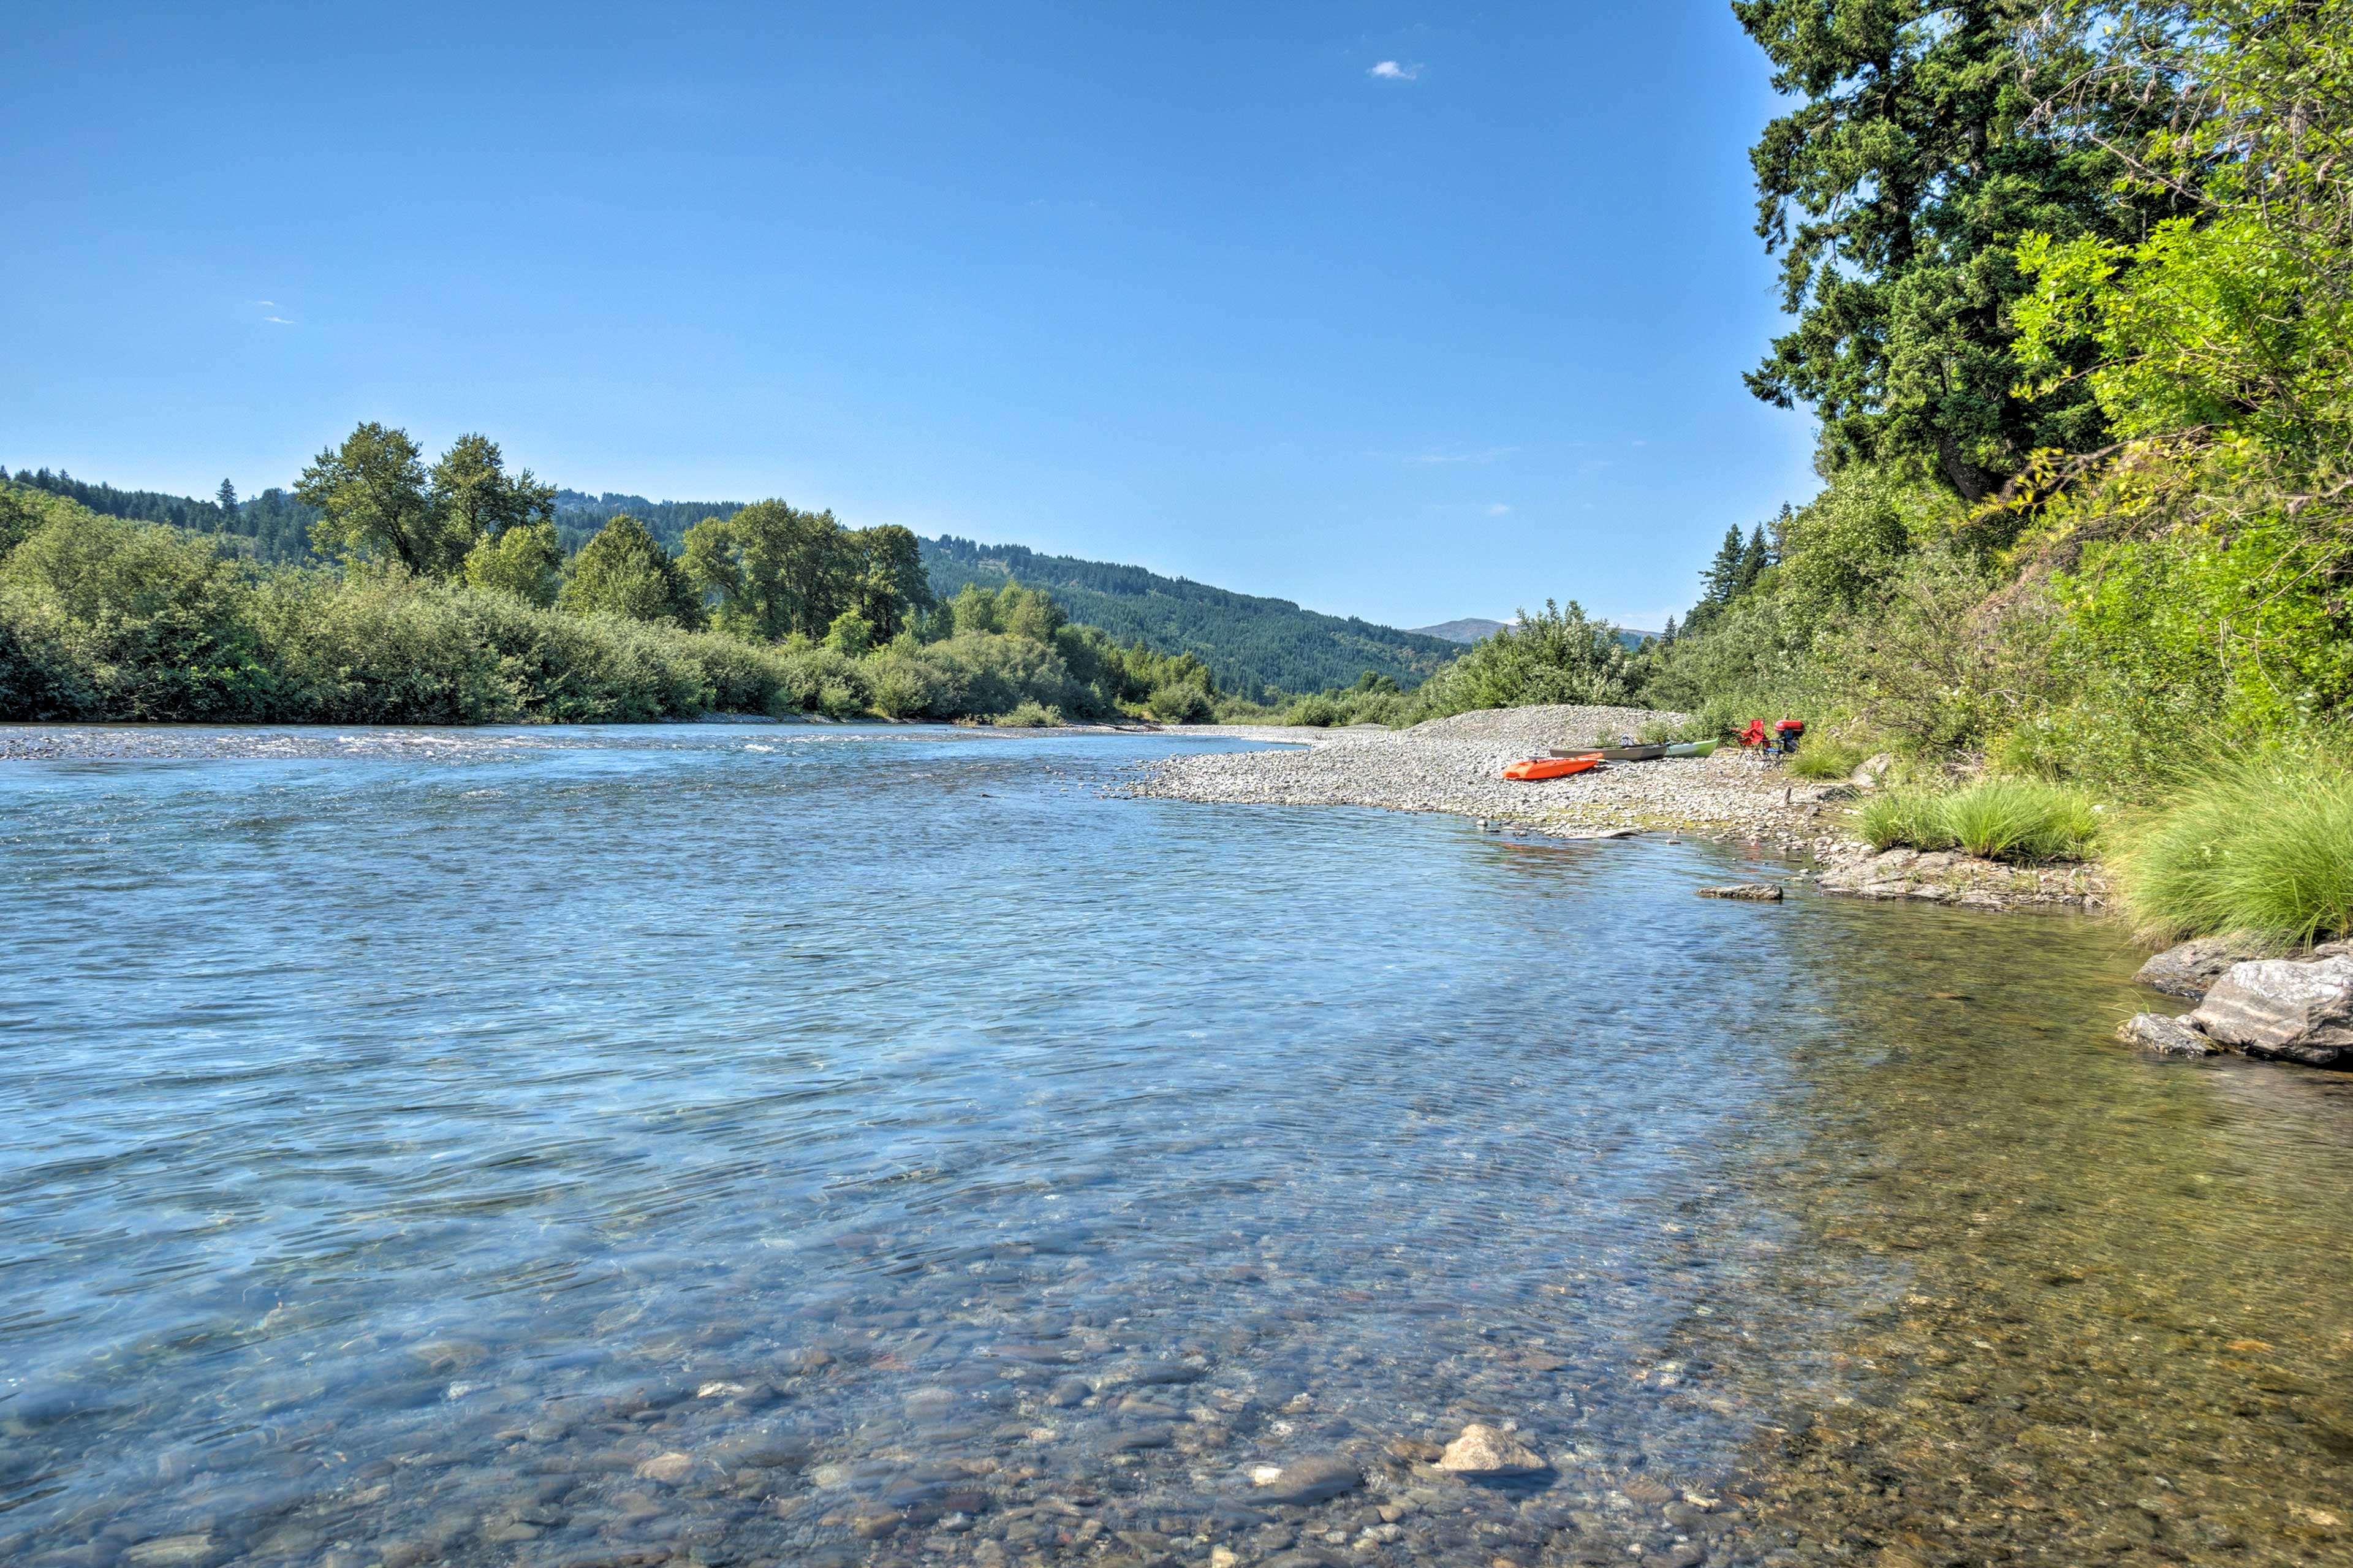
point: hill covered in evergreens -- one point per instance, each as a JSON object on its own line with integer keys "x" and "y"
{"x": 1250, "y": 643}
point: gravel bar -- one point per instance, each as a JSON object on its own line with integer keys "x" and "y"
{"x": 1456, "y": 765}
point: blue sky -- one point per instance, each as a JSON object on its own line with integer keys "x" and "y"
{"x": 1397, "y": 312}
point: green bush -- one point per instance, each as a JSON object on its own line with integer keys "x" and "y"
{"x": 1999, "y": 819}
{"x": 2265, "y": 847}
{"x": 1559, "y": 656}
{"x": 1029, "y": 716}
{"x": 1181, "y": 704}
{"x": 1317, "y": 712}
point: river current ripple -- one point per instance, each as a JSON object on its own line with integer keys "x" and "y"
{"x": 712, "y": 1144}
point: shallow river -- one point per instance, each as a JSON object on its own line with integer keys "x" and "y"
{"x": 712, "y": 1144}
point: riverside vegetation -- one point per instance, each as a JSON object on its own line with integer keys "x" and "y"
{"x": 447, "y": 598}
{"x": 2074, "y": 297}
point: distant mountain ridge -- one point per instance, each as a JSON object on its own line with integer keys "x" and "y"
{"x": 1469, "y": 628}
{"x": 1249, "y": 642}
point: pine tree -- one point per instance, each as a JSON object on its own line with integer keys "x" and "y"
{"x": 226, "y": 499}
{"x": 1672, "y": 631}
{"x": 1721, "y": 583}
{"x": 1753, "y": 558}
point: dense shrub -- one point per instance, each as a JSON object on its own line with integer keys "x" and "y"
{"x": 1029, "y": 716}
{"x": 1560, "y": 655}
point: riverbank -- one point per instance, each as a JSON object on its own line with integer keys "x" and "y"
{"x": 1455, "y": 766}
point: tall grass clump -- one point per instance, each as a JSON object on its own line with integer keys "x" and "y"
{"x": 1998, "y": 818}
{"x": 2020, "y": 819}
{"x": 1909, "y": 817}
{"x": 1828, "y": 759}
{"x": 2265, "y": 848}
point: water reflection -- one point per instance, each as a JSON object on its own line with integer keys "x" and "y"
{"x": 629, "y": 1146}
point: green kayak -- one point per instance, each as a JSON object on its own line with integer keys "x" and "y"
{"x": 1691, "y": 749}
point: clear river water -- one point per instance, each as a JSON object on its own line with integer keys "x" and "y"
{"x": 715, "y": 1145}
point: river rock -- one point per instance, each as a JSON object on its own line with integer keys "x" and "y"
{"x": 2165, "y": 1036}
{"x": 1314, "y": 1479}
{"x": 1753, "y": 892}
{"x": 2280, "y": 1007}
{"x": 668, "y": 1468}
{"x": 2191, "y": 968}
{"x": 1484, "y": 1451}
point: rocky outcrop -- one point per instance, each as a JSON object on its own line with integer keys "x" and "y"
{"x": 1943, "y": 878}
{"x": 2283, "y": 1009}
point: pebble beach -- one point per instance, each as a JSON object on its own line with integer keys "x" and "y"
{"x": 1456, "y": 765}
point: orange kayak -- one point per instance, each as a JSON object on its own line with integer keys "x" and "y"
{"x": 1552, "y": 767}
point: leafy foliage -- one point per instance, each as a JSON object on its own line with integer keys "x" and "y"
{"x": 1560, "y": 655}
{"x": 623, "y": 571}
{"x": 1897, "y": 192}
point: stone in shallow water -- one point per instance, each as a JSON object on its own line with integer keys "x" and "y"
{"x": 668, "y": 1468}
{"x": 1314, "y": 1479}
{"x": 2164, "y": 1037}
{"x": 1484, "y": 1451}
{"x": 1749, "y": 892}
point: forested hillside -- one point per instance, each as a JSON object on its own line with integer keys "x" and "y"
{"x": 1249, "y": 642}
{"x": 578, "y": 515}
{"x": 276, "y": 525}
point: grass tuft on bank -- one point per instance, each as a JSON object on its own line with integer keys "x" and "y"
{"x": 2265, "y": 848}
{"x": 2011, "y": 819}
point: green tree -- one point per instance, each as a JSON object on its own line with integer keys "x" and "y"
{"x": 1897, "y": 193}
{"x": 225, "y": 498}
{"x": 623, "y": 571}
{"x": 891, "y": 584}
{"x": 523, "y": 560}
{"x": 475, "y": 497}
{"x": 370, "y": 492}
{"x": 1755, "y": 557}
{"x": 775, "y": 570}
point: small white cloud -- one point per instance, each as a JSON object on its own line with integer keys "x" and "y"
{"x": 1484, "y": 455}
{"x": 1641, "y": 443}
{"x": 1498, "y": 510}
{"x": 278, "y": 320}
{"x": 1394, "y": 70}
